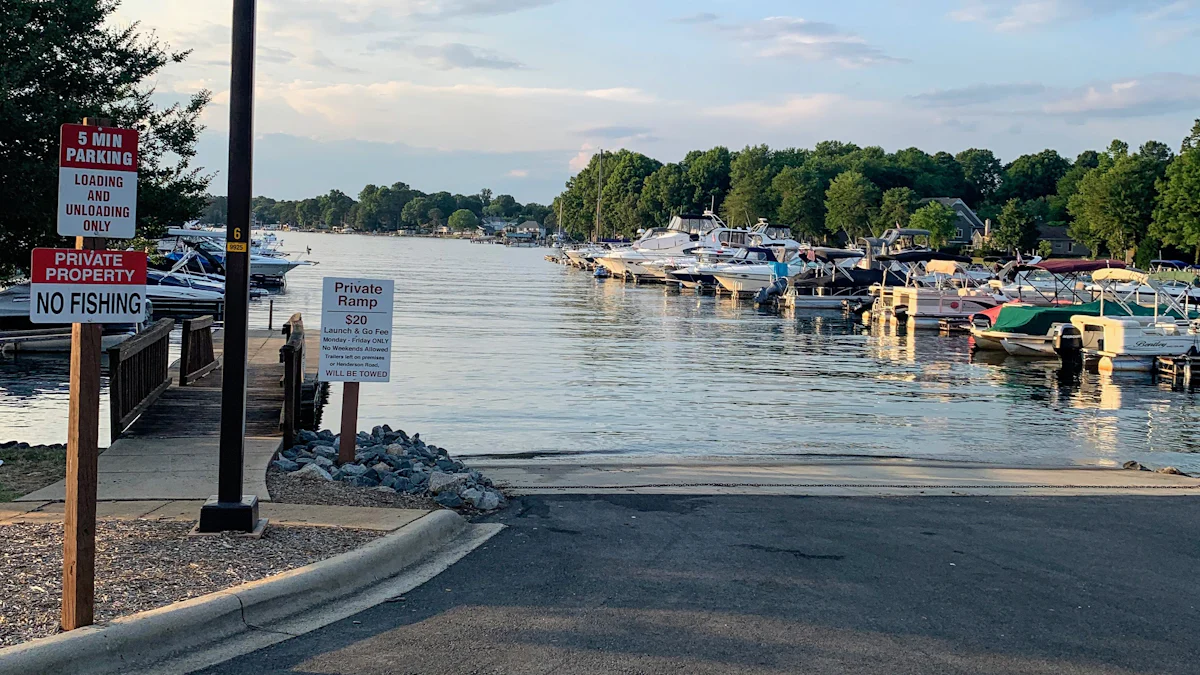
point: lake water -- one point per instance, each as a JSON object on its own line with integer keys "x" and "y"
{"x": 497, "y": 351}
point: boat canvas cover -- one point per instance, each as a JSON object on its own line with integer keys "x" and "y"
{"x": 1076, "y": 266}
{"x": 1033, "y": 320}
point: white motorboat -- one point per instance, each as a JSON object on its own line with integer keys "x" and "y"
{"x": 683, "y": 233}
{"x": 758, "y": 267}
{"x": 266, "y": 265}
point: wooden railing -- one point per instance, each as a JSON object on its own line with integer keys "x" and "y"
{"x": 196, "y": 358}
{"x": 138, "y": 374}
{"x": 292, "y": 355}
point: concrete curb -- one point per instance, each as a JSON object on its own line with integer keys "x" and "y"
{"x": 149, "y": 637}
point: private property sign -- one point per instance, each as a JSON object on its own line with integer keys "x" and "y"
{"x": 97, "y": 182}
{"x": 356, "y": 330}
{"x": 75, "y": 286}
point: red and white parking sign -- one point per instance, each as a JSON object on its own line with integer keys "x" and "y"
{"x": 74, "y": 286}
{"x": 97, "y": 182}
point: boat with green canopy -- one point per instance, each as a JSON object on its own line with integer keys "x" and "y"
{"x": 1027, "y": 330}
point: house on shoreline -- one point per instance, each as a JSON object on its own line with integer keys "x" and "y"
{"x": 968, "y": 224}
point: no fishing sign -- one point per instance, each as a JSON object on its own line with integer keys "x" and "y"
{"x": 76, "y": 286}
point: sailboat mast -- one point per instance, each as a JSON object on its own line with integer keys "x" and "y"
{"x": 599, "y": 195}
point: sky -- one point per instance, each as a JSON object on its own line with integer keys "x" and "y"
{"x": 517, "y": 95}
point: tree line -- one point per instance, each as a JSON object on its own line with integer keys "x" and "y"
{"x": 385, "y": 208}
{"x": 1117, "y": 202}
{"x": 64, "y": 61}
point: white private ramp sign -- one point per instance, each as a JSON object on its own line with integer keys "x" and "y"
{"x": 356, "y": 330}
{"x": 77, "y": 286}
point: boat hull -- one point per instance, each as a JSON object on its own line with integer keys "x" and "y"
{"x": 742, "y": 283}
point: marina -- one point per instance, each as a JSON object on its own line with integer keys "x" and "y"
{"x": 506, "y": 355}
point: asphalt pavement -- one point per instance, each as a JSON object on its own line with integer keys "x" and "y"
{"x": 776, "y": 584}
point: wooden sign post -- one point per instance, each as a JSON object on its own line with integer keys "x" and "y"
{"x": 349, "y": 432}
{"x": 356, "y": 344}
{"x": 83, "y": 450}
{"x": 92, "y": 156}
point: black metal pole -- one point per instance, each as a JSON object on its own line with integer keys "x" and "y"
{"x": 229, "y": 510}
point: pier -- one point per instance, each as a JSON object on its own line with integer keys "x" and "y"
{"x": 165, "y": 429}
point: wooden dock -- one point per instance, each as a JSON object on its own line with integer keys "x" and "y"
{"x": 171, "y": 450}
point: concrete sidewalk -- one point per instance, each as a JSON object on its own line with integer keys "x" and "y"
{"x": 353, "y": 517}
{"x": 169, "y": 469}
{"x": 824, "y": 477}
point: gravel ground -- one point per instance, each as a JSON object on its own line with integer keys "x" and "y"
{"x": 286, "y": 488}
{"x": 143, "y": 564}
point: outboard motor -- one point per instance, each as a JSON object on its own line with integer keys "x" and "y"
{"x": 775, "y": 290}
{"x": 1068, "y": 344}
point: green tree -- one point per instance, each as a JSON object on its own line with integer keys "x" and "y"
{"x": 535, "y": 212}
{"x": 503, "y": 206}
{"x": 895, "y": 210}
{"x": 64, "y": 61}
{"x": 415, "y": 212}
{"x": 939, "y": 219}
{"x": 1033, "y": 176}
{"x": 708, "y": 175}
{"x": 1045, "y": 249}
{"x": 665, "y": 193}
{"x": 216, "y": 210}
{"x": 982, "y": 173}
{"x": 463, "y": 220}
{"x": 1115, "y": 202}
{"x": 335, "y": 207}
{"x": 1017, "y": 229}
{"x": 435, "y": 216}
{"x": 472, "y": 203}
{"x": 750, "y": 196}
{"x": 849, "y": 205}
{"x": 1177, "y": 213}
{"x": 802, "y": 201}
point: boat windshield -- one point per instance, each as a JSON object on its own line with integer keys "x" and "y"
{"x": 691, "y": 224}
{"x": 733, "y": 237}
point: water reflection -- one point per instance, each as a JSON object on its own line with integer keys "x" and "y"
{"x": 498, "y": 351}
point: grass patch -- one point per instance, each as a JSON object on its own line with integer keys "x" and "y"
{"x": 31, "y": 469}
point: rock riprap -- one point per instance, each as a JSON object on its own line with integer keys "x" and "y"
{"x": 388, "y": 460}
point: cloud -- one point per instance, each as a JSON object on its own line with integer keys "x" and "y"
{"x": 697, "y": 18}
{"x": 399, "y": 88}
{"x": 620, "y": 134}
{"x": 956, "y": 124}
{"x": 317, "y": 59}
{"x": 976, "y": 94}
{"x": 791, "y": 37}
{"x": 518, "y": 173}
{"x": 456, "y": 55}
{"x": 1145, "y": 96}
{"x": 580, "y": 161}
{"x": 458, "y": 8}
{"x": 794, "y": 109}
{"x": 272, "y": 55}
{"x": 1014, "y": 15}
{"x": 1152, "y": 95}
